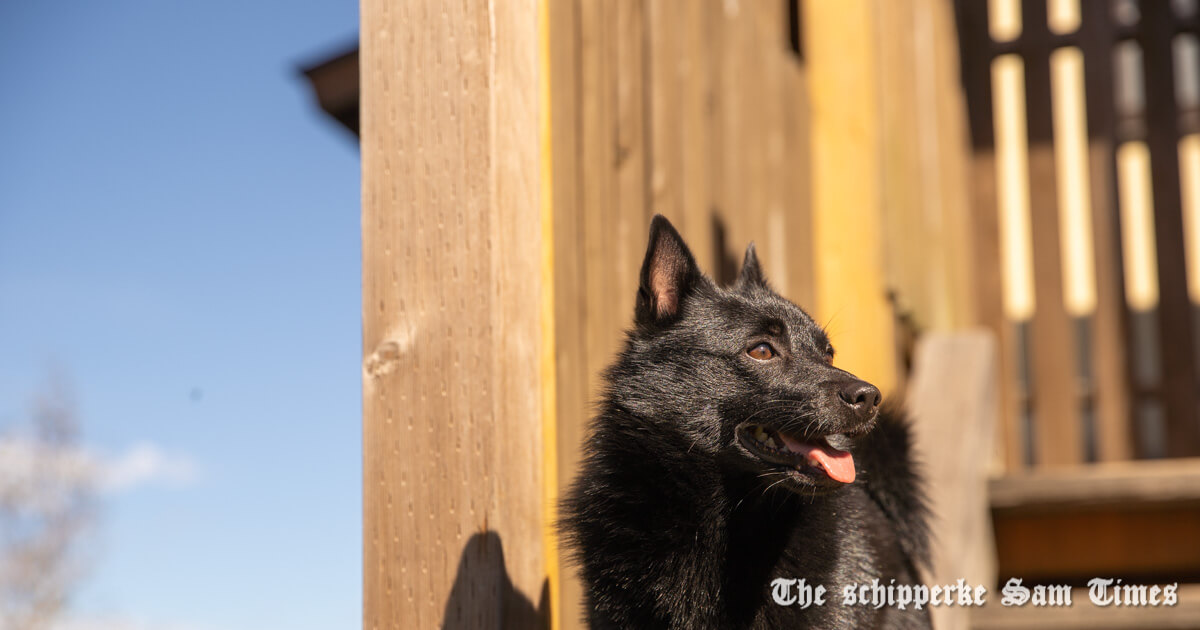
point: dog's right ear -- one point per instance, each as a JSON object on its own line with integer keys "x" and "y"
{"x": 669, "y": 274}
{"x": 751, "y": 274}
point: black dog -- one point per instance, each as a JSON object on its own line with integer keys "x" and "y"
{"x": 729, "y": 452}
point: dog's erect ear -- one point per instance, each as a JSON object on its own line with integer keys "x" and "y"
{"x": 751, "y": 271}
{"x": 669, "y": 274}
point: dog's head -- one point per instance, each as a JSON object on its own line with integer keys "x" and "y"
{"x": 745, "y": 375}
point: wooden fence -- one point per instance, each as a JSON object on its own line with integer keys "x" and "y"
{"x": 510, "y": 169}
{"x": 691, "y": 110}
{"x": 1084, "y": 124}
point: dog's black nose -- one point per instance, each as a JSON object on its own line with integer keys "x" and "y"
{"x": 860, "y": 396}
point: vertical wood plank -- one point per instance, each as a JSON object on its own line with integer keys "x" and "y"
{"x": 767, "y": 29}
{"x": 630, "y": 132}
{"x": 797, "y": 176}
{"x": 599, "y": 206}
{"x": 947, "y": 172}
{"x": 570, "y": 280}
{"x": 843, "y": 81}
{"x": 1056, "y": 420}
{"x": 908, "y": 246}
{"x": 1109, "y": 329}
{"x": 452, "y": 431}
{"x": 989, "y": 292}
{"x": 1179, "y": 384}
{"x": 1057, "y": 423}
{"x": 697, "y": 149}
{"x": 976, "y": 59}
{"x": 678, "y": 94}
{"x": 669, "y": 70}
{"x": 744, "y": 125}
{"x": 953, "y": 434}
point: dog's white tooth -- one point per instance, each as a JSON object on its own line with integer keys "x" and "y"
{"x": 771, "y": 442}
{"x": 759, "y": 434}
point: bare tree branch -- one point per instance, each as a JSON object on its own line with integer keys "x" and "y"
{"x": 47, "y": 507}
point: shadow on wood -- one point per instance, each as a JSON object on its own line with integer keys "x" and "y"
{"x": 483, "y": 595}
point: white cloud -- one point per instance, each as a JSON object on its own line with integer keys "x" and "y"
{"x": 23, "y": 460}
{"x": 146, "y": 463}
{"x": 115, "y": 622}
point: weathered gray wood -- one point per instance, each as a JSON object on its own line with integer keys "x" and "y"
{"x": 953, "y": 400}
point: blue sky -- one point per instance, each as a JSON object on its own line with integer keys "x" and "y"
{"x": 179, "y": 236}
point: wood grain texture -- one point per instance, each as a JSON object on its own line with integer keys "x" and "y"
{"x": 451, "y": 319}
{"x": 748, "y": 129}
{"x": 946, "y": 161}
{"x": 797, "y": 175}
{"x": 570, "y": 286}
{"x": 680, "y": 128}
{"x": 954, "y": 429}
{"x": 851, "y": 299}
{"x": 927, "y": 237}
{"x": 648, "y": 100}
{"x": 728, "y": 145}
{"x": 904, "y": 211}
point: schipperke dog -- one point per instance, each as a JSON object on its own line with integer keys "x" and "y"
{"x": 729, "y": 452}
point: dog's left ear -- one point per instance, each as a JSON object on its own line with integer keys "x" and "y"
{"x": 751, "y": 271}
{"x": 669, "y": 274}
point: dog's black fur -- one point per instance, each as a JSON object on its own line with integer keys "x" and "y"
{"x": 676, "y": 523}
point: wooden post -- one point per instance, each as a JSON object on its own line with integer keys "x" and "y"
{"x": 851, "y": 296}
{"x": 454, "y": 285}
{"x": 954, "y": 430}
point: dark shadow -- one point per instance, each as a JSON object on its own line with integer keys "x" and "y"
{"x": 725, "y": 266}
{"x": 483, "y": 595}
{"x": 795, "y": 28}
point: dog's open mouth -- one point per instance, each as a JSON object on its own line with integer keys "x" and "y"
{"x": 814, "y": 455}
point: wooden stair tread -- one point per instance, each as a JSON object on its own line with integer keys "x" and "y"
{"x": 1082, "y": 614}
{"x": 1135, "y": 482}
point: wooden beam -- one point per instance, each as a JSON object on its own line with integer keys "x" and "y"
{"x": 1083, "y": 615}
{"x": 452, "y": 332}
{"x": 1117, "y": 483}
{"x": 841, "y": 49}
{"x": 1075, "y": 546}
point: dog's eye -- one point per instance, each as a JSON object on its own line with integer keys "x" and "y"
{"x": 762, "y": 352}
{"x": 829, "y": 355}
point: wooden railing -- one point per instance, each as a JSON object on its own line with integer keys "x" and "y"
{"x": 1084, "y": 125}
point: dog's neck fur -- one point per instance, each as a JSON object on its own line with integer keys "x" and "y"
{"x": 713, "y": 538}
{"x": 696, "y": 546}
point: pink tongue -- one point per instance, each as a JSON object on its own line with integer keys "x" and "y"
{"x": 839, "y": 465}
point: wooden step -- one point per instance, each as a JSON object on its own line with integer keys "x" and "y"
{"x": 1084, "y": 615}
{"x": 1129, "y": 520}
{"x": 1116, "y": 483}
